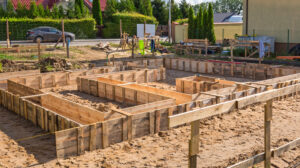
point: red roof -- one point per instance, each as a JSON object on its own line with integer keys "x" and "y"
{"x": 89, "y": 4}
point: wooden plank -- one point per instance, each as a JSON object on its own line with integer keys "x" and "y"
{"x": 104, "y": 135}
{"x": 264, "y": 96}
{"x": 249, "y": 162}
{"x": 125, "y": 128}
{"x": 157, "y": 121}
{"x": 194, "y": 144}
{"x": 80, "y": 144}
{"x": 129, "y": 127}
{"x": 267, "y": 138}
{"x": 284, "y": 148}
{"x": 201, "y": 113}
{"x": 93, "y": 132}
{"x": 152, "y": 122}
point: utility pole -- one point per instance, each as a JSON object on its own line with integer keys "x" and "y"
{"x": 170, "y": 24}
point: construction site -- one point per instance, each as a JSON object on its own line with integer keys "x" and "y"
{"x": 210, "y": 98}
{"x": 137, "y": 112}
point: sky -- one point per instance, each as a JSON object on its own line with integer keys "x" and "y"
{"x": 193, "y": 2}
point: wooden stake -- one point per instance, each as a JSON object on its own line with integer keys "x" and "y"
{"x": 63, "y": 33}
{"x": 268, "y": 118}
{"x": 39, "y": 48}
{"x": 194, "y": 144}
{"x": 120, "y": 28}
{"x": 7, "y": 34}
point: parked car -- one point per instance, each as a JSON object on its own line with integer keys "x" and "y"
{"x": 47, "y": 34}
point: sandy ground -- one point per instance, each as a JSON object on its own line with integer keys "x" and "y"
{"x": 71, "y": 93}
{"x": 225, "y": 140}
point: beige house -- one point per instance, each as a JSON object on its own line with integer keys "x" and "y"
{"x": 276, "y": 18}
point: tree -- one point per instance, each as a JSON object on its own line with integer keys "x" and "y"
{"x": 176, "y": 14}
{"x": 184, "y": 8}
{"x": 41, "y": 10}
{"x": 191, "y": 23}
{"x": 47, "y": 12}
{"x": 77, "y": 12}
{"x": 70, "y": 10}
{"x": 21, "y": 10}
{"x": 96, "y": 10}
{"x": 210, "y": 23}
{"x": 2, "y": 12}
{"x": 160, "y": 11}
{"x": 80, "y": 5}
{"x": 111, "y": 8}
{"x": 126, "y": 5}
{"x": 10, "y": 12}
{"x": 205, "y": 23}
{"x": 55, "y": 12}
{"x": 200, "y": 24}
{"x": 136, "y": 3}
{"x": 61, "y": 11}
{"x": 146, "y": 7}
{"x": 33, "y": 10}
{"x": 224, "y": 6}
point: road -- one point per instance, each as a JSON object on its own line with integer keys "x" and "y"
{"x": 79, "y": 42}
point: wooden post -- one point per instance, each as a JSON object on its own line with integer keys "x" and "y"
{"x": 231, "y": 51}
{"x": 68, "y": 49}
{"x": 39, "y": 48}
{"x": 63, "y": 32}
{"x": 206, "y": 46}
{"x": 144, "y": 28}
{"x": 194, "y": 144}
{"x": 7, "y": 34}
{"x": 268, "y": 118}
{"x": 120, "y": 28}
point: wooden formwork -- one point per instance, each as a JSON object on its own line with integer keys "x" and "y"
{"x": 196, "y": 84}
{"x": 152, "y": 107}
{"x": 40, "y": 116}
{"x": 8, "y": 75}
{"x": 241, "y": 70}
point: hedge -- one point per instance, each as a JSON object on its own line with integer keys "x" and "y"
{"x": 82, "y": 28}
{"x": 182, "y": 21}
{"x": 129, "y": 24}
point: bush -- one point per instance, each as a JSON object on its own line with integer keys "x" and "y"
{"x": 82, "y": 28}
{"x": 129, "y": 24}
{"x": 182, "y": 21}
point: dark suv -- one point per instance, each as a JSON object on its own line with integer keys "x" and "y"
{"x": 47, "y": 34}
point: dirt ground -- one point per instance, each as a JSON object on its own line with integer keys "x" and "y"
{"x": 71, "y": 93}
{"x": 225, "y": 140}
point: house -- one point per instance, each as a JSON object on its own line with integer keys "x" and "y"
{"x": 227, "y": 17}
{"x": 275, "y": 18}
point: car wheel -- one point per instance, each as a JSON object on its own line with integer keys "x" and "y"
{"x": 68, "y": 38}
{"x": 38, "y": 39}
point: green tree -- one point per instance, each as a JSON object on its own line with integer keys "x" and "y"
{"x": 184, "y": 8}
{"x": 211, "y": 32}
{"x": 126, "y": 5}
{"x": 47, "y": 12}
{"x": 96, "y": 10}
{"x": 146, "y": 7}
{"x": 111, "y": 8}
{"x": 205, "y": 23}
{"x": 10, "y": 12}
{"x": 77, "y": 12}
{"x": 20, "y": 11}
{"x": 41, "y": 10}
{"x": 80, "y": 4}
{"x": 33, "y": 10}
{"x": 176, "y": 14}
{"x": 191, "y": 23}
{"x": 70, "y": 10}
{"x": 200, "y": 24}
{"x": 2, "y": 12}
{"x": 136, "y": 3}
{"x": 55, "y": 12}
{"x": 160, "y": 11}
{"x": 61, "y": 11}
